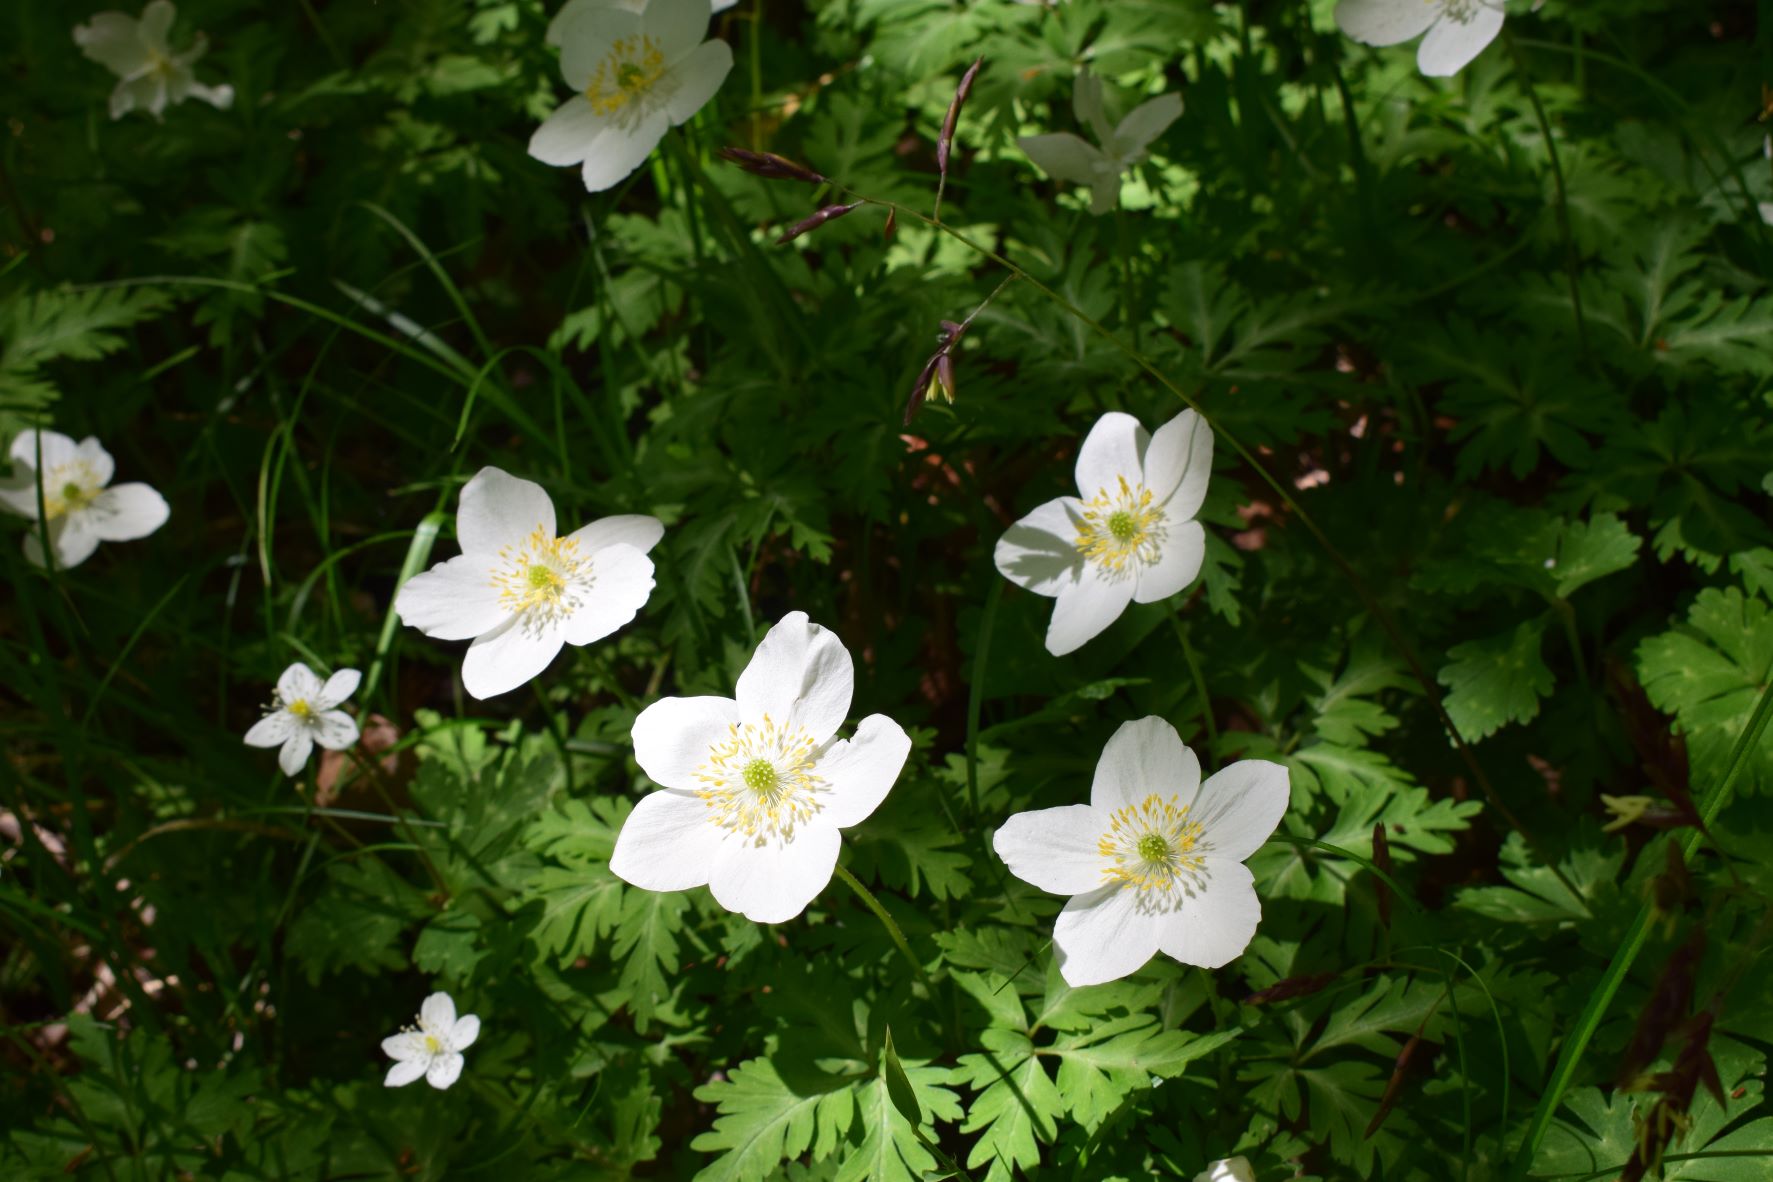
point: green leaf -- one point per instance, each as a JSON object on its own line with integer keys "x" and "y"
{"x": 1017, "y": 1107}
{"x": 1099, "y": 1067}
{"x": 898, "y": 1087}
{"x": 1708, "y": 674}
{"x": 1496, "y": 681}
{"x": 764, "y": 1120}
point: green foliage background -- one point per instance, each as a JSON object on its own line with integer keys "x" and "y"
{"x": 1493, "y": 441}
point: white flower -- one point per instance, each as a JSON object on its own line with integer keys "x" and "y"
{"x": 636, "y": 74}
{"x": 1154, "y": 863}
{"x": 1458, "y": 30}
{"x": 435, "y": 1049}
{"x": 153, "y": 76}
{"x": 1231, "y": 1169}
{"x": 520, "y": 591}
{"x": 574, "y": 9}
{"x": 1066, "y": 157}
{"x": 757, "y": 789}
{"x": 82, "y": 512}
{"x": 1130, "y": 534}
{"x": 305, "y": 713}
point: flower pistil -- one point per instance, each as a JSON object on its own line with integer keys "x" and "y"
{"x": 1121, "y": 526}
{"x": 632, "y": 68}
{"x": 760, "y": 782}
{"x": 1150, "y": 846}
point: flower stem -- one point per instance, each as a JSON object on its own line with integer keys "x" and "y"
{"x": 880, "y": 913}
{"x": 1571, "y": 261}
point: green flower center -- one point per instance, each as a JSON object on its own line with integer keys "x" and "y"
{"x": 1154, "y": 849}
{"x": 301, "y": 709}
{"x": 1122, "y": 525}
{"x": 760, "y": 776}
{"x": 541, "y": 577}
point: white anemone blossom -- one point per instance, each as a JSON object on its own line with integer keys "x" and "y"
{"x": 755, "y": 790}
{"x": 1067, "y": 157}
{"x": 1155, "y": 861}
{"x": 573, "y": 9}
{"x": 636, "y": 74}
{"x": 1128, "y": 536}
{"x": 435, "y": 1049}
{"x": 307, "y": 712}
{"x": 519, "y": 590}
{"x": 151, "y": 76}
{"x": 81, "y": 510}
{"x": 1231, "y": 1169}
{"x": 1458, "y": 30}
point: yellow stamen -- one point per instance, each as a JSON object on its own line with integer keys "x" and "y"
{"x": 1120, "y": 528}
{"x": 634, "y": 64}
{"x": 540, "y": 578}
{"x": 1150, "y": 846}
{"x": 761, "y": 781}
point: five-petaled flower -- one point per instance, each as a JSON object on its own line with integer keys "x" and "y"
{"x": 151, "y": 76}
{"x": 636, "y": 74}
{"x": 80, "y": 510}
{"x": 519, "y": 590}
{"x": 435, "y": 1049}
{"x": 1130, "y": 534}
{"x": 1067, "y": 157}
{"x": 1155, "y": 861}
{"x": 755, "y": 790}
{"x": 1458, "y": 30}
{"x": 307, "y": 712}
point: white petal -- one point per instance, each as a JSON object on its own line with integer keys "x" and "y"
{"x": 862, "y": 770}
{"x": 92, "y": 453}
{"x": 1054, "y": 849}
{"x": 69, "y": 536}
{"x": 587, "y": 40}
{"x": 114, "y": 40}
{"x": 1231, "y": 1169}
{"x": 1086, "y": 607}
{"x": 1450, "y": 45}
{"x": 296, "y": 749}
{"x": 566, "y": 136}
{"x": 505, "y": 658}
{"x": 57, "y": 449}
{"x": 146, "y": 93}
{"x": 773, "y": 883}
{"x": 409, "y": 1044}
{"x": 1143, "y": 124}
{"x": 1063, "y": 156}
{"x": 667, "y": 843}
{"x": 298, "y": 683}
{"x": 673, "y": 736}
{"x": 616, "y": 151}
{"x": 437, "y": 1013}
{"x": 1240, "y": 806}
{"x": 1113, "y": 451}
{"x": 18, "y": 492}
{"x": 698, "y": 75}
{"x": 404, "y": 1072}
{"x": 127, "y": 512}
{"x": 1040, "y": 551}
{"x": 220, "y": 97}
{"x": 464, "y": 1032}
{"x": 1143, "y": 757}
{"x": 1102, "y": 936}
{"x": 633, "y": 529}
{"x": 454, "y": 600}
{"x": 499, "y": 509}
{"x": 156, "y": 24}
{"x": 444, "y": 1070}
{"x": 335, "y": 730}
{"x": 677, "y": 26}
{"x": 271, "y": 730}
{"x": 574, "y": 9}
{"x": 1385, "y": 22}
{"x": 1178, "y": 464}
{"x": 1178, "y": 562}
{"x": 339, "y": 687}
{"x": 621, "y": 581}
{"x": 1104, "y": 193}
{"x": 1217, "y": 920}
{"x": 1086, "y": 104}
{"x": 801, "y": 675}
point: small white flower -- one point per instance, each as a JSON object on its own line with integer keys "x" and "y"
{"x": 637, "y": 73}
{"x": 435, "y": 1049}
{"x": 1231, "y": 1169}
{"x": 756, "y": 789}
{"x": 1066, "y": 157}
{"x": 82, "y": 511}
{"x": 520, "y": 591}
{"x": 1129, "y": 535}
{"x": 153, "y": 76}
{"x": 1458, "y": 30}
{"x": 574, "y": 9}
{"x": 305, "y": 713}
{"x": 1155, "y": 861}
